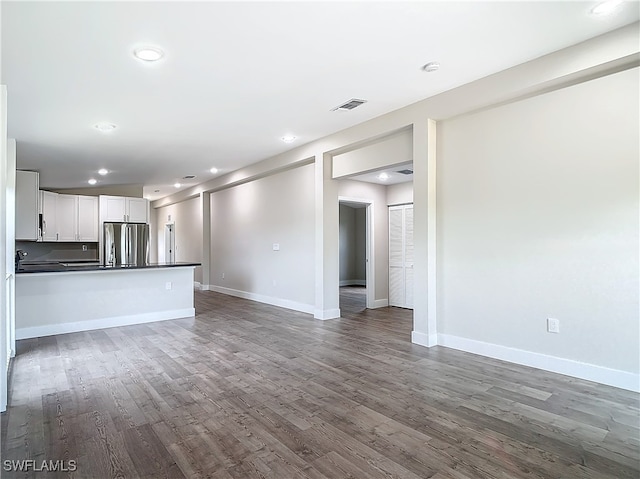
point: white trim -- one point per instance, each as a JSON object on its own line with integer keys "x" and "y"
{"x": 326, "y": 314}
{"x": 380, "y": 303}
{"x": 283, "y": 303}
{"x": 353, "y": 282}
{"x": 568, "y": 367}
{"x": 101, "y": 323}
{"x": 423, "y": 339}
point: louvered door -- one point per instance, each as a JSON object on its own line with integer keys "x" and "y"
{"x": 401, "y": 256}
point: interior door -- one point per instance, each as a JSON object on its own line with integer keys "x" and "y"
{"x": 401, "y": 256}
{"x": 170, "y": 243}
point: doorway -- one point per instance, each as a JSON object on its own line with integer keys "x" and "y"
{"x": 170, "y": 243}
{"x": 356, "y": 261}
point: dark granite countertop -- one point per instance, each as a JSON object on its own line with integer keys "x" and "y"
{"x": 62, "y": 266}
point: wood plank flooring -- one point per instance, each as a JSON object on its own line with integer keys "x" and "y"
{"x": 247, "y": 390}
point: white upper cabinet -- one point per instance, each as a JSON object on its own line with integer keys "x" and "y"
{"x": 48, "y": 205}
{"x": 69, "y": 217}
{"x": 122, "y": 208}
{"x": 88, "y": 221}
{"x": 112, "y": 208}
{"x": 27, "y": 205}
{"x": 137, "y": 210}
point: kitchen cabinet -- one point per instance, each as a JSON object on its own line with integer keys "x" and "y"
{"x": 48, "y": 204}
{"x": 69, "y": 217}
{"x": 88, "y": 221}
{"x": 27, "y": 205}
{"x": 123, "y": 208}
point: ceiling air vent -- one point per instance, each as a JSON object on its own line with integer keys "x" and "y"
{"x": 189, "y": 177}
{"x": 350, "y": 105}
{"x": 405, "y": 172}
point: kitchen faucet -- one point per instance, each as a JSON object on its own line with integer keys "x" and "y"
{"x": 20, "y": 254}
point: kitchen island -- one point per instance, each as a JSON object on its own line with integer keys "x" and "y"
{"x": 56, "y": 298}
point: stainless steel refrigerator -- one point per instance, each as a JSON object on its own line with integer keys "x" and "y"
{"x": 126, "y": 244}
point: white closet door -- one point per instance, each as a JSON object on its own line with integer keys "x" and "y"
{"x": 401, "y": 256}
{"x": 408, "y": 256}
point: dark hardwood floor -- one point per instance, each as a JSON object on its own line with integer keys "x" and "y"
{"x": 247, "y": 390}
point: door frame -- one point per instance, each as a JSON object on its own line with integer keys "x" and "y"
{"x": 370, "y": 269}
{"x": 170, "y": 233}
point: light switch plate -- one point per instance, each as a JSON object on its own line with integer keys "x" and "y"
{"x": 276, "y": 246}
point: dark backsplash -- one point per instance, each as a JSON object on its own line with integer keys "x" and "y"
{"x": 58, "y": 251}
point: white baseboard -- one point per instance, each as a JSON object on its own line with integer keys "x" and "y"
{"x": 423, "y": 339}
{"x": 324, "y": 314}
{"x": 380, "y": 303}
{"x": 568, "y": 367}
{"x": 353, "y": 282}
{"x": 197, "y": 286}
{"x": 51, "y": 329}
{"x": 283, "y": 303}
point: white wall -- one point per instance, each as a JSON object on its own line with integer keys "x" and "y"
{"x": 4, "y": 267}
{"x": 377, "y": 194}
{"x": 134, "y": 191}
{"x": 247, "y": 220}
{"x": 538, "y": 217}
{"x": 392, "y": 150}
{"x": 187, "y": 220}
{"x": 57, "y": 303}
{"x": 614, "y": 51}
{"x": 400, "y": 193}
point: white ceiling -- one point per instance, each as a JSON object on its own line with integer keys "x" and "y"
{"x": 237, "y": 76}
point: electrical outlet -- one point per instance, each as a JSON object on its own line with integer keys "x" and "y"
{"x": 276, "y": 246}
{"x": 222, "y": 275}
{"x": 167, "y": 285}
{"x": 553, "y": 325}
{"x": 84, "y": 247}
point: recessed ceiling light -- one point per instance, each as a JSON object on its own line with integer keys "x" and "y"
{"x": 148, "y": 54}
{"x": 177, "y": 185}
{"x": 431, "y": 67}
{"x": 92, "y": 181}
{"x": 214, "y": 170}
{"x": 103, "y": 171}
{"x": 383, "y": 176}
{"x": 605, "y": 8}
{"x": 105, "y": 126}
{"x": 288, "y": 138}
